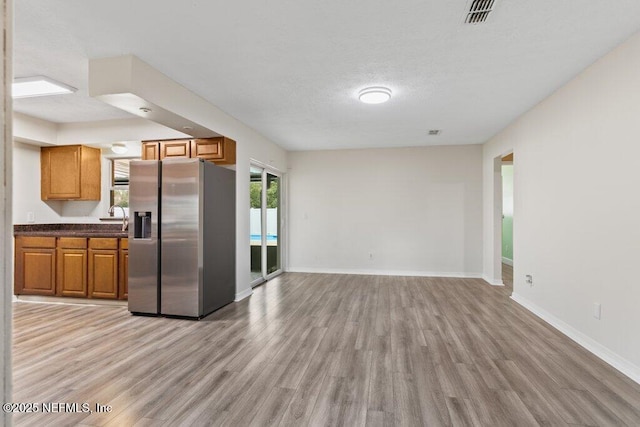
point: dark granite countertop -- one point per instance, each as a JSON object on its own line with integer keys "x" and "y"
{"x": 70, "y": 230}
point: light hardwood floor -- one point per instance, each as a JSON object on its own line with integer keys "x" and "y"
{"x": 317, "y": 349}
{"x": 507, "y": 276}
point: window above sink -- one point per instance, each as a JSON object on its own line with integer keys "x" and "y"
{"x": 119, "y": 194}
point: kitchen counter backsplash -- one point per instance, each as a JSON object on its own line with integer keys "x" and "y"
{"x": 70, "y": 230}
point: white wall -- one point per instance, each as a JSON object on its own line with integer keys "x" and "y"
{"x": 387, "y": 211}
{"x": 34, "y": 130}
{"x": 26, "y": 190}
{"x": 109, "y": 131}
{"x": 577, "y": 206}
{"x": 100, "y": 133}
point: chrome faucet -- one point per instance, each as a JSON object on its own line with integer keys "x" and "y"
{"x": 125, "y": 218}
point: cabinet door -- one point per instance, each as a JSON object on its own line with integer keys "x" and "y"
{"x": 123, "y": 292}
{"x": 38, "y": 272}
{"x": 72, "y": 272}
{"x": 90, "y": 173}
{"x": 151, "y": 150}
{"x": 103, "y": 273}
{"x": 175, "y": 149}
{"x": 60, "y": 172}
{"x": 70, "y": 172}
{"x": 35, "y": 266}
{"x": 220, "y": 150}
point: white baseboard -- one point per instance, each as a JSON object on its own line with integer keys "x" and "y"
{"x": 243, "y": 294}
{"x": 507, "y": 261}
{"x": 491, "y": 281}
{"x": 383, "y": 272}
{"x": 610, "y": 357}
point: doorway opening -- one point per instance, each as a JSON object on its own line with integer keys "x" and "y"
{"x": 507, "y": 220}
{"x": 265, "y": 213}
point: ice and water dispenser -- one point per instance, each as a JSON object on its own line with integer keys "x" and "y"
{"x": 142, "y": 225}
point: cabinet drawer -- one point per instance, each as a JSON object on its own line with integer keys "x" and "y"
{"x": 72, "y": 242}
{"x": 124, "y": 243}
{"x": 36, "y": 242}
{"x": 103, "y": 243}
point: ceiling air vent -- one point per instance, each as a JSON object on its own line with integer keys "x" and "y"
{"x": 479, "y": 11}
{"x": 434, "y": 132}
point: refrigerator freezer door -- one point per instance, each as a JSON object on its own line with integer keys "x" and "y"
{"x": 143, "y": 236}
{"x": 181, "y": 248}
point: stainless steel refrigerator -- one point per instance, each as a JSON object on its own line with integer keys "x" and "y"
{"x": 181, "y": 237}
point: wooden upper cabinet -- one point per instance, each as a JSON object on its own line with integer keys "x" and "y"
{"x": 220, "y": 150}
{"x": 159, "y": 150}
{"x": 151, "y": 150}
{"x": 179, "y": 148}
{"x": 70, "y": 172}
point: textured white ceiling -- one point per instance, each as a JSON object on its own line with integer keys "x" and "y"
{"x": 292, "y": 68}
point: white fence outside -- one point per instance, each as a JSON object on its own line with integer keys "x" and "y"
{"x": 272, "y": 221}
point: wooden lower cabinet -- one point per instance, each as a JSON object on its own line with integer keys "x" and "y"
{"x": 103, "y": 268}
{"x": 71, "y": 278}
{"x": 35, "y": 266}
{"x": 72, "y": 267}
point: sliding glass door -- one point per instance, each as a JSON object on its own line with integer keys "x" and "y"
{"x": 255, "y": 215}
{"x": 265, "y": 218}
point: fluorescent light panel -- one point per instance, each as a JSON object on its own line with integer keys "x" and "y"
{"x": 27, "y": 87}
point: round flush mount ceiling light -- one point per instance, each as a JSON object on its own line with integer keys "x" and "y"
{"x": 374, "y": 95}
{"x": 119, "y": 148}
